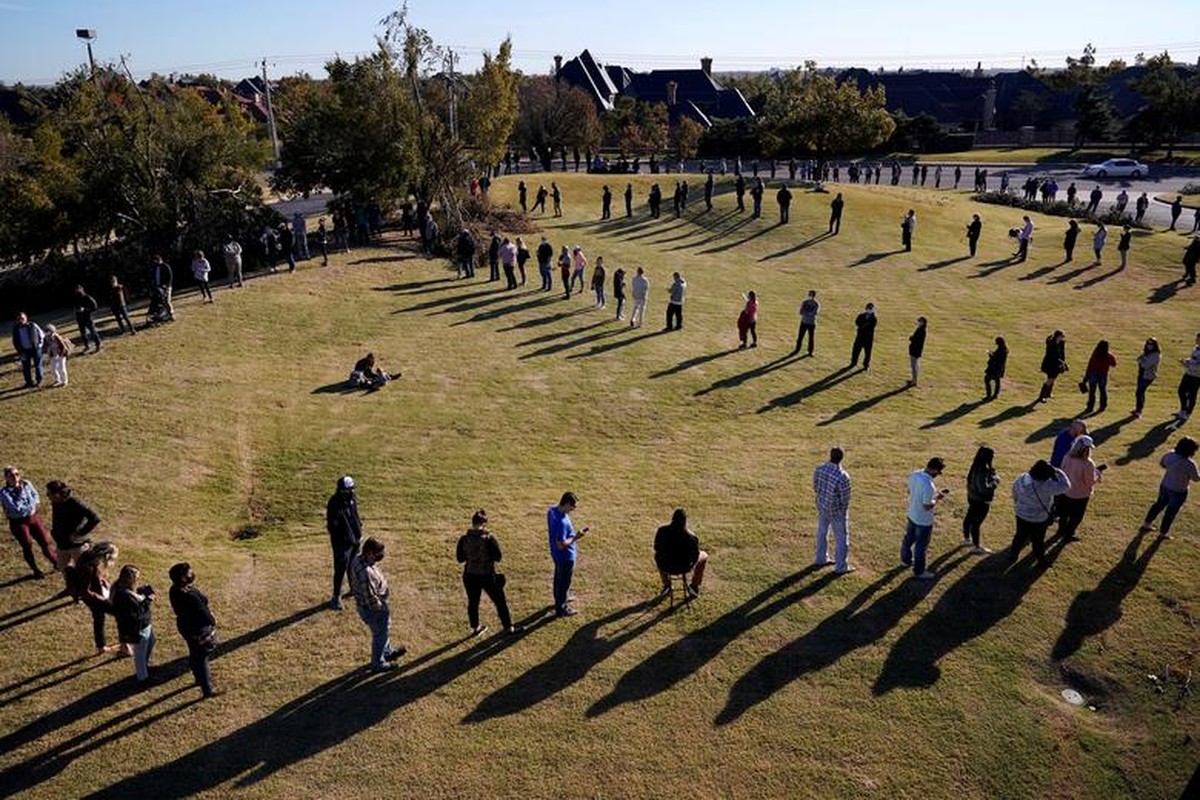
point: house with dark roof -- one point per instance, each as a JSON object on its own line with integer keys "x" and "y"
{"x": 692, "y": 93}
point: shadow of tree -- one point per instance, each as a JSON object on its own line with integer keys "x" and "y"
{"x": 585, "y": 649}
{"x": 987, "y": 594}
{"x": 1096, "y": 610}
{"x": 682, "y": 658}
{"x": 838, "y": 635}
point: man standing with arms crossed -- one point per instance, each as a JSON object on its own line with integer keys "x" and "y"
{"x": 923, "y": 497}
{"x": 563, "y": 539}
{"x": 831, "y": 485}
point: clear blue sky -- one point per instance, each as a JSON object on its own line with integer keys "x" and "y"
{"x": 227, "y": 37}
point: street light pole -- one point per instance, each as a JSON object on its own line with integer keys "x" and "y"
{"x": 88, "y": 35}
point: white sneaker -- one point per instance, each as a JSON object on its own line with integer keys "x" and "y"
{"x": 980, "y": 551}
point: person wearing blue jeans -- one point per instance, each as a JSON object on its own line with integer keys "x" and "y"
{"x": 923, "y": 497}
{"x": 1179, "y": 470}
{"x": 563, "y": 540}
{"x": 131, "y": 607}
{"x": 27, "y": 338}
{"x": 831, "y": 485}
{"x": 371, "y": 594}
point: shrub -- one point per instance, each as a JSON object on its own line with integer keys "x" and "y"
{"x": 1190, "y": 188}
{"x": 1061, "y": 209}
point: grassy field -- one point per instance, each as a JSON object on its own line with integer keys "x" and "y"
{"x": 1048, "y": 155}
{"x": 218, "y": 438}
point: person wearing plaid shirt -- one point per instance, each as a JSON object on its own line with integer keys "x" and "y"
{"x": 831, "y": 484}
{"x": 371, "y": 591}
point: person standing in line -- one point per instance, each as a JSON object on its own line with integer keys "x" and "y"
{"x": 508, "y": 260}
{"x": 1024, "y": 237}
{"x": 231, "y": 251}
{"x": 708, "y": 191}
{"x": 1191, "y": 257}
{"x": 523, "y": 197}
{"x": 323, "y": 241}
{"x": 522, "y": 258}
{"x": 493, "y": 257}
{"x": 201, "y": 270}
{"x": 85, "y": 308}
{"x": 579, "y": 264}
{"x": 479, "y": 552}
{"x": 916, "y": 348}
{"x": 756, "y": 196}
{"x": 599, "y": 275}
{"x": 628, "y": 200}
{"x": 1094, "y": 201}
{"x": 1179, "y": 470}
{"x": 195, "y": 623}
{"x": 619, "y": 292}
{"x": 118, "y": 304}
{"x": 974, "y": 229}
{"x": 371, "y": 596}
{"x": 545, "y": 254}
{"x": 58, "y": 348}
{"x": 95, "y": 592}
{"x": 556, "y": 196}
{"x": 161, "y": 278}
{"x": 539, "y": 199}
{"x": 994, "y": 371}
{"x": 300, "y": 236}
{"x": 982, "y": 480}
{"x": 28, "y": 339}
{"x": 1140, "y": 206}
{"x": 1147, "y": 364}
{"x": 907, "y": 228}
{"x": 678, "y": 291}
{"x": 464, "y": 249}
{"x": 1069, "y": 241}
{"x": 1065, "y": 438}
{"x": 809, "y": 309}
{"x": 1196, "y": 220}
{"x": 1034, "y": 494}
{"x": 1098, "y": 240}
{"x": 923, "y": 497}
{"x": 70, "y": 525}
{"x": 1054, "y": 363}
{"x": 20, "y": 502}
{"x": 957, "y": 176}
{"x": 1176, "y": 210}
{"x": 564, "y": 541}
{"x": 831, "y": 485}
{"x": 784, "y": 198}
{"x": 640, "y": 287}
{"x": 739, "y": 190}
{"x": 564, "y": 268}
{"x": 1189, "y": 384}
{"x": 1083, "y": 474}
{"x": 835, "y": 214}
{"x": 345, "y": 532}
{"x": 747, "y": 321}
{"x": 606, "y": 203}
{"x": 1123, "y": 244}
{"x": 131, "y": 607}
{"x": 937, "y": 177}
{"x": 287, "y": 245}
{"x": 864, "y": 337}
{"x": 677, "y": 552}
{"x": 1096, "y": 375}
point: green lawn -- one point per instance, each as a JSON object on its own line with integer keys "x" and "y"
{"x": 779, "y": 681}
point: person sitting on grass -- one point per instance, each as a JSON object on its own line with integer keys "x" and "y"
{"x": 677, "y": 552}
{"x": 368, "y": 375}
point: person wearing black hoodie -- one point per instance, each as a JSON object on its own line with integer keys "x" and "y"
{"x": 916, "y": 348}
{"x": 345, "y": 532}
{"x": 195, "y": 623}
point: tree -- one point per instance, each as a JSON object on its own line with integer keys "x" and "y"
{"x": 1172, "y": 108}
{"x": 1095, "y": 119}
{"x": 829, "y": 118}
{"x": 489, "y": 112}
{"x": 553, "y": 116}
{"x": 685, "y": 137}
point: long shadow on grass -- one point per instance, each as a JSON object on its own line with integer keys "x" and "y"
{"x": 1040, "y": 272}
{"x": 954, "y": 414}
{"x": 990, "y": 268}
{"x": 1165, "y": 292}
{"x": 1151, "y": 441}
{"x": 549, "y": 319}
{"x": 116, "y": 692}
{"x": 599, "y": 349}
{"x": 1049, "y": 430}
{"x": 1090, "y": 282}
{"x": 871, "y": 258}
{"x": 742, "y": 377}
{"x": 449, "y": 300}
{"x": 816, "y": 387}
{"x": 550, "y": 337}
{"x": 417, "y": 287}
{"x": 987, "y": 594}
{"x": 1105, "y": 432}
{"x": 14, "y": 620}
{"x": 693, "y": 362}
{"x": 820, "y": 237}
{"x": 682, "y": 658}
{"x": 585, "y": 649}
{"x": 1008, "y": 414}
{"x": 483, "y": 316}
{"x": 863, "y": 405}
{"x": 835, "y": 637}
{"x": 721, "y": 248}
{"x": 32, "y": 607}
{"x": 1075, "y": 273}
{"x": 946, "y": 262}
{"x": 1096, "y": 610}
{"x": 325, "y": 717}
{"x": 559, "y": 347}
{"x": 719, "y": 232}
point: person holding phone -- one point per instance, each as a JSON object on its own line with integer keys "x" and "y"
{"x": 923, "y": 497}
{"x": 563, "y": 547}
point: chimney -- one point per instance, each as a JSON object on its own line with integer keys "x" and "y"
{"x": 557, "y": 65}
{"x": 672, "y": 87}
{"x": 978, "y": 69}
{"x": 706, "y": 66}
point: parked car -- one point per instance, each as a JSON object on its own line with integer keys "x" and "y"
{"x": 1117, "y": 168}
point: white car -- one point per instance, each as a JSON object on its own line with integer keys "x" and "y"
{"x": 1117, "y": 168}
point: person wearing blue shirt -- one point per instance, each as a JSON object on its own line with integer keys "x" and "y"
{"x": 563, "y": 539}
{"x": 1066, "y": 437}
{"x": 923, "y": 496}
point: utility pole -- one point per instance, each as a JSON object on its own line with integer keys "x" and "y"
{"x": 270, "y": 116}
{"x": 453, "y": 94}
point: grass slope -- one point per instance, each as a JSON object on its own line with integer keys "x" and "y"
{"x": 780, "y": 681}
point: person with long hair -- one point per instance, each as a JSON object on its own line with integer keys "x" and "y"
{"x": 747, "y": 321}
{"x": 1096, "y": 375}
{"x": 982, "y": 480}
{"x": 1033, "y": 495}
{"x": 195, "y": 623}
{"x": 1054, "y": 363}
{"x": 993, "y": 373}
{"x": 478, "y": 552}
{"x": 1179, "y": 470}
{"x": 1189, "y": 383}
{"x": 1083, "y": 473}
{"x": 131, "y": 606}
{"x": 1147, "y": 364}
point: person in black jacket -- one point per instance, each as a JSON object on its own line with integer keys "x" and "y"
{"x": 345, "y": 532}
{"x": 465, "y": 250}
{"x": 70, "y": 525}
{"x": 629, "y": 200}
{"x": 195, "y": 623}
{"x": 478, "y": 551}
{"x": 85, "y": 307}
{"x": 131, "y": 607}
{"x": 1069, "y": 240}
{"x": 994, "y": 371}
{"x": 835, "y": 215}
{"x": 982, "y": 480}
{"x": 1054, "y": 363}
{"x": 974, "y": 228}
{"x": 493, "y": 256}
{"x": 864, "y": 337}
{"x": 784, "y": 198}
{"x": 916, "y": 348}
{"x": 606, "y": 203}
{"x": 677, "y": 552}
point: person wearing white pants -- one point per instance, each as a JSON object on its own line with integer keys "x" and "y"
{"x": 831, "y": 485}
{"x": 58, "y": 348}
{"x": 639, "y": 287}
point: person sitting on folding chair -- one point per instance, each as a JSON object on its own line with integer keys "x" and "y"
{"x": 677, "y": 552}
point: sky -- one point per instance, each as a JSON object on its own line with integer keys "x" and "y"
{"x": 229, "y": 38}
